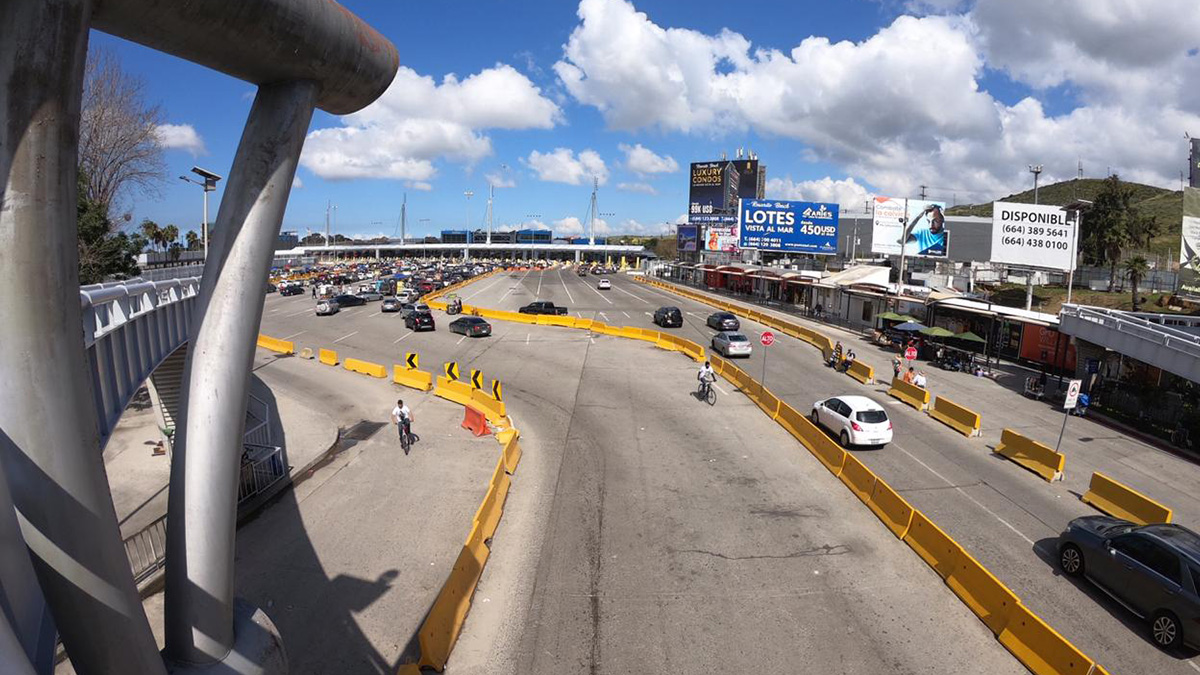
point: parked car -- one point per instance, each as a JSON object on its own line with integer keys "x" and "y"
{"x": 1153, "y": 570}
{"x": 419, "y": 321}
{"x": 392, "y": 304}
{"x": 472, "y": 326}
{"x": 327, "y": 306}
{"x": 855, "y": 420}
{"x": 542, "y": 307}
{"x": 729, "y": 343}
{"x": 349, "y": 300}
{"x": 292, "y": 289}
{"x": 668, "y": 317}
{"x": 723, "y": 321}
{"x": 604, "y": 284}
{"x": 370, "y": 296}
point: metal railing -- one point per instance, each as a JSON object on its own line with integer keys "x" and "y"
{"x": 147, "y": 550}
{"x": 1129, "y": 324}
{"x": 262, "y": 467}
{"x": 258, "y": 422}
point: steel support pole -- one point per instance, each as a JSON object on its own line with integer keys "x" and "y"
{"x": 49, "y": 431}
{"x": 202, "y": 507}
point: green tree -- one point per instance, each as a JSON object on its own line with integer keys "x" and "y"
{"x": 151, "y": 232}
{"x": 1113, "y": 225}
{"x": 103, "y": 253}
{"x": 170, "y": 236}
{"x": 193, "y": 240}
{"x": 1136, "y": 268}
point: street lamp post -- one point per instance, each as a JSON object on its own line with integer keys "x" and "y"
{"x": 209, "y": 184}
{"x": 1036, "y": 170}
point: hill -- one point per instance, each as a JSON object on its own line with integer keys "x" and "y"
{"x": 1165, "y": 205}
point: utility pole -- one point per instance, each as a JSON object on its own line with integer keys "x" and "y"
{"x": 328, "y": 206}
{"x": 1036, "y": 170}
{"x": 592, "y": 212}
{"x": 923, "y": 192}
{"x": 404, "y": 218}
{"x": 468, "y": 194}
{"x": 491, "y": 196}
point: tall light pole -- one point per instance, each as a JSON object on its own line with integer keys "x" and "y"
{"x": 468, "y": 194}
{"x": 209, "y": 183}
{"x": 1036, "y": 170}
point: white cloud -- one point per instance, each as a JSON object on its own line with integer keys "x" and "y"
{"x": 562, "y": 166}
{"x": 846, "y": 192}
{"x": 907, "y": 105}
{"x": 643, "y": 161}
{"x": 418, "y": 185}
{"x": 180, "y": 137}
{"x": 642, "y": 188}
{"x": 632, "y": 226}
{"x": 296, "y": 182}
{"x": 500, "y": 180}
{"x": 681, "y": 219}
{"x": 532, "y": 224}
{"x": 573, "y": 227}
{"x": 418, "y": 121}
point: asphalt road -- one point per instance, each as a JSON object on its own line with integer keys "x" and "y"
{"x": 649, "y": 532}
{"x": 1005, "y": 516}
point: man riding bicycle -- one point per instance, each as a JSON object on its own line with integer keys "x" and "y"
{"x": 707, "y": 377}
{"x": 402, "y": 417}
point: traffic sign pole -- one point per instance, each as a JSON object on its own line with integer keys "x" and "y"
{"x": 767, "y": 339}
{"x": 1069, "y": 402}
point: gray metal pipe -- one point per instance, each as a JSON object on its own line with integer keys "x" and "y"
{"x": 265, "y": 41}
{"x": 202, "y": 506}
{"x": 49, "y": 433}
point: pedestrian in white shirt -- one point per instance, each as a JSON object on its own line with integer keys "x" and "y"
{"x": 919, "y": 380}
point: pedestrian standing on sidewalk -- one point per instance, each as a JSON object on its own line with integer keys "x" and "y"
{"x": 919, "y": 380}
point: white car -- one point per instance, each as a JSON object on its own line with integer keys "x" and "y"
{"x": 604, "y": 284}
{"x": 729, "y": 343}
{"x": 856, "y": 420}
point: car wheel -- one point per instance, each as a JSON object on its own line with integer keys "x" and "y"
{"x": 1070, "y": 560}
{"x": 845, "y": 438}
{"x": 1165, "y": 629}
{"x": 815, "y": 417}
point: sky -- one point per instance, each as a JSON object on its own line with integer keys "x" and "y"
{"x": 841, "y": 101}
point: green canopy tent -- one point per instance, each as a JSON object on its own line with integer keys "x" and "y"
{"x": 937, "y": 332}
{"x": 969, "y": 337}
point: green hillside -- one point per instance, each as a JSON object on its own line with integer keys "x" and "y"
{"x": 1165, "y": 205}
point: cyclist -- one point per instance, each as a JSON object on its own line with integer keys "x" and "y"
{"x": 706, "y": 376}
{"x": 402, "y": 417}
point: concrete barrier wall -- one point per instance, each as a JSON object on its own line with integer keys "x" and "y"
{"x": 861, "y": 372}
{"x": 1122, "y": 501}
{"x": 1036, "y": 457}
{"x": 365, "y": 367}
{"x": 909, "y": 393}
{"x": 328, "y": 357}
{"x": 276, "y": 345}
{"x": 411, "y": 377}
{"x": 453, "y": 390}
{"x": 962, "y": 419}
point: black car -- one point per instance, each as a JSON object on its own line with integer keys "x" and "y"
{"x": 668, "y": 317}
{"x": 349, "y": 300}
{"x": 1153, "y": 570}
{"x": 472, "y": 326}
{"x": 391, "y": 304}
{"x": 419, "y": 321}
{"x": 292, "y": 289}
{"x": 723, "y": 321}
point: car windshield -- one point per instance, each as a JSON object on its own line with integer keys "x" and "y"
{"x": 737, "y": 338}
{"x": 871, "y": 416}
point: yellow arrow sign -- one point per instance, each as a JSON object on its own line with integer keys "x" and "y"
{"x": 411, "y": 359}
{"x": 452, "y": 370}
{"x": 497, "y": 390}
{"x": 476, "y": 379}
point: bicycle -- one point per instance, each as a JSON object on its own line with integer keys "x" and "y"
{"x": 705, "y": 392}
{"x": 407, "y": 437}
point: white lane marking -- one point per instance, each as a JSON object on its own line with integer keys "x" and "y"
{"x": 303, "y": 311}
{"x": 538, "y": 292}
{"x": 698, "y": 316}
{"x": 718, "y": 388}
{"x": 402, "y": 337}
{"x": 295, "y": 335}
{"x": 626, "y": 314}
{"x": 345, "y": 336}
{"x": 273, "y": 311}
{"x": 464, "y": 337}
{"x": 499, "y": 278}
{"x": 527, "y": 339}
{"x": 964, "y": 493}
{"x": 378, "y": 313}
{"x": 519, "y": 281}
{"x": 599, "y": 294}
{"x": 647, "y": 313}
{"x": 605, "y": 316}
{"x": 638, "y": 297}
{"x": 1193, "y": 665}
{"x": 564, "y": 283}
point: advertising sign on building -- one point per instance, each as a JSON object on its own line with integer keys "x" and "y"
{"x": 1189, "y": 245}
{"x": 1046, "y": 345}
{"x": 795, "y": 227}
{"x": 716, "y": 187}
{"x": 722, "y": 238}
{"x": 1032, "y": 235}
{"x": 924, "y": 221}
{"x": 687, "y": 237}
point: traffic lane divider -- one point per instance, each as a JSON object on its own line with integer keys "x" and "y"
{"x": 328, "y": 357}
{"x": 411, "y": 377}
{"x": 1122, "y": 501}
{"x": 475, "y": 422}
{"x": 444, "y": 622}
{"x": 861, "y": 372}
{"x": 932, "y": 543}
{"x": 960, "y": 418}
{"x": 276, "y": 345}
{"x": 487, "y": 516}
{"x": 858, "y": 478}
{"x": 894, "y": 510}
{"x": 365, "y": 367}
{"x": 909, "y": 393}
{"x": 1036, "y": 457}
{"x": 992, "y": 601}
{"x": 1041, "y": 649}
{"x": 495, "y": 411}
{"x": 511, "y": 451}
{"x": 453, "y": 390}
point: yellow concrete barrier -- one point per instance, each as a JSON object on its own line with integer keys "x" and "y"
{"x": 692, "y": 349}
{"x": 489, "y": 511}
{"x": 861, "y": 372}
{"x": 453, "y": 390}
{"x": 963, "y": 420}
{"x": 1123, "y": 501}
{"x": 992, "y": 601}
{"x": 328, "y": 357}
{"x": 790, "y": 419}
{"x": 411, "y": 377}
{"x": 892, "y": 509}
{"x": 583, "y": 324}
{"x": 858, "y": 478}
{"x": 551, "y": 320}
{"x": 1032, "y": 455}
{"x": 909, "y": 393}
{"x": 934, "y": 546}
{"x": 494, "y": 410}
{"x": 276, "y": 345}
{"x": 512, "y": 452}
{"x": 442, "y": 625}
{"x": 365, "y": 367}
{"x": 763, "y": 397}
{"x": 1041, "y": 648}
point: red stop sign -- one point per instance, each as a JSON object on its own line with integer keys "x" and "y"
{"x": 910, "y": 353}
{"x": 768, "y": 338}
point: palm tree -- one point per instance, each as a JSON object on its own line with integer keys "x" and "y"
{"x": 1136, "y": 267}
{"x": 193, "y": 240}
{"x": 151, "y": 231}
{"x": 170, "y": 235}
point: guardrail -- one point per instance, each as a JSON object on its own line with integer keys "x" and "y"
{"x": 262, "y": 468}
{"x": 146, "y": 550}
{"x": 1128, "y": 324}
{"x": 258, "y": 422}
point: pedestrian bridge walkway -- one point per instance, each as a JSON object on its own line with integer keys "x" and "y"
{"x": 1172, "y": 349}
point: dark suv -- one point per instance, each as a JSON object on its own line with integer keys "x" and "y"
{"x": 1153, "y": 570}
{"x": 723, "y": 321}
{"x": 419, "y": 321}
{"x": 668, "y": 317}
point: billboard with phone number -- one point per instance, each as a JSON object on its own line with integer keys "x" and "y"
{"x": 716, "y": 187}
{"x": 794, "y": 227}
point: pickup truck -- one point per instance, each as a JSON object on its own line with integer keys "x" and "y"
{"x": 542, "y": 307}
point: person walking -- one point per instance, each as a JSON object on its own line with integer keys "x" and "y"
{"x": 314, "y": 291}
{"x": 919, "y": 379}
{"x": 402, "y": 417}
{"x": 896, "y": 367}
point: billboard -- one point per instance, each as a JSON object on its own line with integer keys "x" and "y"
{"x": 716, "y": 187}
{"x": 722, "y": 238}
{"x": 923, "y": 220}
{"x": 687, "y": 237}
{"x": 1048, "y": 346}
{"x": 794, "y": 227}
{"x": 1189, "y": 245}
{"x": 1032, "y": 235}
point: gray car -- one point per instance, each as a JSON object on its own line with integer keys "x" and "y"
{"x": 728, "y": 344}
{"x": 1153, "y": 570}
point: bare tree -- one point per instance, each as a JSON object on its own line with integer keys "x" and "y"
{"x": 119, "y": 150}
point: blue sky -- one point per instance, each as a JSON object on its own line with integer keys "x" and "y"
{"x": 879, "y": 97}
